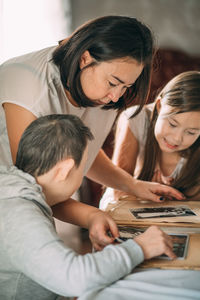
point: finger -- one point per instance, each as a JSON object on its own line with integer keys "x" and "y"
{"x": 98, "y": 247}
{"x": 168, "y": 240}
{"x": 113, "y": 228}
{"x": 174, "y": 193}
{"x": 165, "y": 190}
{"x": 170, "y": 253}
{"x": 107, "y": 240}
{"x": 165, "y": 180}
{"x": 104, "y": 240}
{"x": 157, "y": 198}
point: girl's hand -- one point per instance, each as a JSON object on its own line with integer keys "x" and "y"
{"x": 155, "y": 242}
{"x": 155, "y": 191}
{"x": 158, "y": 177}
{"x": 99, "y": 224}
{"x": 119, "y": 194}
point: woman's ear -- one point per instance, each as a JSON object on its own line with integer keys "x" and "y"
{"x": 85, "y": 59}
{"x": 63, "y": 169}
{"x": 158, "y": 104}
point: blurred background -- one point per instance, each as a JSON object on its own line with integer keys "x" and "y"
{"x": 29, "y": 25}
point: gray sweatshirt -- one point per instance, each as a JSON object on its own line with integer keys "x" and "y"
{"x": 34, "y": 262}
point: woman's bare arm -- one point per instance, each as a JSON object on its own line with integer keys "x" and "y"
{"x": 126, "y": 146}
{"x": 125, "y": 150}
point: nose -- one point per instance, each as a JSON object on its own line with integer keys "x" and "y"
{"x": 113, "y": 98}
{"x": 115, "y": 94}
{"x": 177, "y": 137}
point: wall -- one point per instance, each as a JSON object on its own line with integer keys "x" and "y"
{"x": 175, "y": 23}
{"x": 26, "y": 26}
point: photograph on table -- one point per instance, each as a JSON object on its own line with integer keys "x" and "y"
{"x": 180, "y": 241}
{"x": 180, "y": 246}
{"x": 162, "y": 212}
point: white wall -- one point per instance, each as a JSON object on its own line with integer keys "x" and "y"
{"x": 28, "y": 25}
{"x": 176, "y": 23}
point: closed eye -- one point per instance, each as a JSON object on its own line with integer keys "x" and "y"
{"x": 171, "y": 124}
{"x": 112, "y": 84}
{"x": 191, "y": 133}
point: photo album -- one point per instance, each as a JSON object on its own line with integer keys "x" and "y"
{"x": 180, "y": 241}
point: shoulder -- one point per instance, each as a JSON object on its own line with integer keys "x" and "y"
{"x": 144, "y": 113}
{"x": 29, "y": 79}
{"x": 140, "y": 123}
{"x": 141, "y": 120}
{"x": 31, "y": 66}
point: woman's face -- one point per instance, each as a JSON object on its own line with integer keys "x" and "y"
{"x": 176, "y": 132}
{"x": 108, "y": 81}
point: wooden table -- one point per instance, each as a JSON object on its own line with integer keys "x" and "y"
{"x": 120, "y": 212}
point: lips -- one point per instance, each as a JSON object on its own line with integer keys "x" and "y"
{"x": 170, "y": 146}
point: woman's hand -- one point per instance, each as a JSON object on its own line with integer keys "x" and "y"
{"x": 155, "y": 242}
{"x": 99, "y": 225}
{"x": 155, "y": 191}
{"x": 106, "y": 173}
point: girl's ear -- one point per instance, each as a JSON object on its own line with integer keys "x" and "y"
{"x": 85, "y": 59}
{"x": 158, "y": 104}
{"x": 63, "y": 169}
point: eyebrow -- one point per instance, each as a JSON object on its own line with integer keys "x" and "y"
{"x": 121, "y": 81}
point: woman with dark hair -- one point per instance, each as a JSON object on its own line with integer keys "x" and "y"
{"x": 162, "y": 143}
{"x": 101, "y": 68}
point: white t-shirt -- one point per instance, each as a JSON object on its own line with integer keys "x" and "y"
{"x": 32, "y": 81}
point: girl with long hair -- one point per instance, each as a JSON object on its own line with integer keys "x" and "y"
{"x": 162, "y": 143}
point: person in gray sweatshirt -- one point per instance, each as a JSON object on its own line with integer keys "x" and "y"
{"x": 34, "y": 262}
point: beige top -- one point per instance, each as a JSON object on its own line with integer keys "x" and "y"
{"x": 33, "y": 82}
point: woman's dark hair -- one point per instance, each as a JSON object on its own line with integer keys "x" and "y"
{"x": 107, "y": 38}
{"x": 182, "y": 93}
{"x": 50, "y": 139}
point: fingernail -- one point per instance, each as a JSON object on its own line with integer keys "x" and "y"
{"x": 161, "y": 199}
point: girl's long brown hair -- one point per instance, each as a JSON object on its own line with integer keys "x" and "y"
{"x": 182, "y": 93}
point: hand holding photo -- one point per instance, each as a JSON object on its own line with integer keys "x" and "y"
{"x": 180, "y": 246}
{"x": 180, "y": 241}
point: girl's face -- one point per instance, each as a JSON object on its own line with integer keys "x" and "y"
{"x": 176, "y": 132}
{"x": 108, "y": 81}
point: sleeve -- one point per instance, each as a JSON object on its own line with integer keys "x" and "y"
{"x": 34, "y": 248}
{"x": 22, "y": 85}
{"x": 137, "y": 123}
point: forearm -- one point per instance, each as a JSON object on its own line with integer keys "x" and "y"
{"x": 41, "y": 256}
{"x": 106, "y": 173}
{"x": 74, "y": 212}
